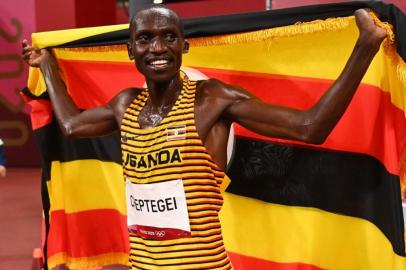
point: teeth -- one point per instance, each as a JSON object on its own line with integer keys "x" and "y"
{"x": 159, "y": 62}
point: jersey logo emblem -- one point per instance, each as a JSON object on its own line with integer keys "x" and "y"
{"x": 176, "y": 133}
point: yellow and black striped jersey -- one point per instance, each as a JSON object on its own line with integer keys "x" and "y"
{"x": 169, "y": 151}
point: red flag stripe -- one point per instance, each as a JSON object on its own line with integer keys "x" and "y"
{"x": 381, "y": 138}
{"x": 93, "y": 223}
{"x": 353, "y": 133}
{"x": 246, "y": 262}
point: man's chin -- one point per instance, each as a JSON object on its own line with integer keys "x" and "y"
{"x": 161, "y": 77}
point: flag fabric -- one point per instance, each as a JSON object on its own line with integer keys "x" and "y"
{"x": 289, "y": 205}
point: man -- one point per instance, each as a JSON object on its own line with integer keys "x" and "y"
{"x": 174, "y": 136}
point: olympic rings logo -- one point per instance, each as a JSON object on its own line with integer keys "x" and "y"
{"x": 160, "y": 233}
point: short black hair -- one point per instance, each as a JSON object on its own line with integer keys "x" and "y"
{"x": 156, "y": 7}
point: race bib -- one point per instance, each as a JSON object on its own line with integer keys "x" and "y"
{"x": 157, "y": 211}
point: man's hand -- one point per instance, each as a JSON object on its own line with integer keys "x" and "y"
{"x": 370, "y": 33}
{"x": 33, "y": 56}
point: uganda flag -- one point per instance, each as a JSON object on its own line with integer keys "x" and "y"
{"x": 289, "y": 205}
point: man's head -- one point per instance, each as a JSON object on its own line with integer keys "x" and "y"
{"x": 156, "y": 42}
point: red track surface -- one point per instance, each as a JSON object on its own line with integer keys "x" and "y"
{"x": 20, "y": 217}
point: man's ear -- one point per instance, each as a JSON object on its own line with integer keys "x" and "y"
{"x": 185, "y": 46}
{"x": 130, "y": 51}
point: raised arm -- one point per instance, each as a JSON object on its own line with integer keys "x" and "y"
{"x": 73, "y": 122}
{"x": 314, "y": 125}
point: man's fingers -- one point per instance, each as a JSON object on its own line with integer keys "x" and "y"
{"x": 27, "y": 48}
{"x": 24, "y": 50}
{"x": 26, "y": 55}
{"x": 29, "y": 54}
{"x": 24, "y": 45}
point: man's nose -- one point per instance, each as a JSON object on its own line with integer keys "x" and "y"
{"x": 158, "y": 45}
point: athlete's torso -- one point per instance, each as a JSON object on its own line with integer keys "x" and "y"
{"x": 169, "y": 152}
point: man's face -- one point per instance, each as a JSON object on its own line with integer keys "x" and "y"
{"x": 157, "y": 44}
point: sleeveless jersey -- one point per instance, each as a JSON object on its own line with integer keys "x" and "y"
{"x": 173, "y": 150}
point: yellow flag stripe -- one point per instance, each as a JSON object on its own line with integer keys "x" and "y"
{"x": 356, "y": 243}
{"x": 82, "y": 185}
{"x": 59, "y": 37}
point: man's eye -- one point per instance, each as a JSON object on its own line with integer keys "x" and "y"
{"x": 170, "y": 37}
{"x": 142, "y": 39}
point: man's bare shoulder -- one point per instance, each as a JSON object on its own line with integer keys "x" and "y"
{"x": 214, "y": 88}
{"x": 211, "y": 88}
{"x": 209, "y": 84}
{"x": 125, "y": 97}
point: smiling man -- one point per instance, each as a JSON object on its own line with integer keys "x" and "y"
{"x": 174, "y": 136}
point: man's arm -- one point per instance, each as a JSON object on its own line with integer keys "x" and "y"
{"x": 74, "y": 123}
{"x": 315, "y": 124}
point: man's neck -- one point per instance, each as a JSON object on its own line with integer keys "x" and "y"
{"x": 164, "y": 93}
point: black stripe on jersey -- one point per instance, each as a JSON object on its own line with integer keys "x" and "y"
{"x": 188, "y": 97}
{"x": 217, "y": 171}
{"x": 191, "y": 109}
{"x": 211, "y": 205}
{"x": 190, "y": 88}
{"x": 209, "y": 199}
{"x": 137, "y": 102}
{"x": 223, "y": 253}
{"x": 188, "y": 125}
{"x": 170, "y": 120}
{"x": 194, "y": 151}
{"x": 206, "y": 233}
{"x": 199, "y": 241}
{"x": 192, "y": 177}
{"x": 205, "y": 196}
{"x": 171, "y": 175}
{"x": 140, "y": 97}
{"x": 205, "y": 222}
{"x": 211, "y": 163}
{"x": 133, "y": 138}
{"x": 187, "y": 108}
{"x": 199, "y": 152}
{"x": 187, "y": 101}
{"x": 203, "y": 190}
{"x": 212, "y": 183}
{"x": 214, "y": 255}
{"x": 169, "y": 146}
{"x": 205, "y": 215}
{"x": 134, "y": 110}
{"x": 211, "y": 247}
{"x": 171, "y": 166}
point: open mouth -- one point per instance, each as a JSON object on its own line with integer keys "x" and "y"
{"x": 158, "y": 64}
